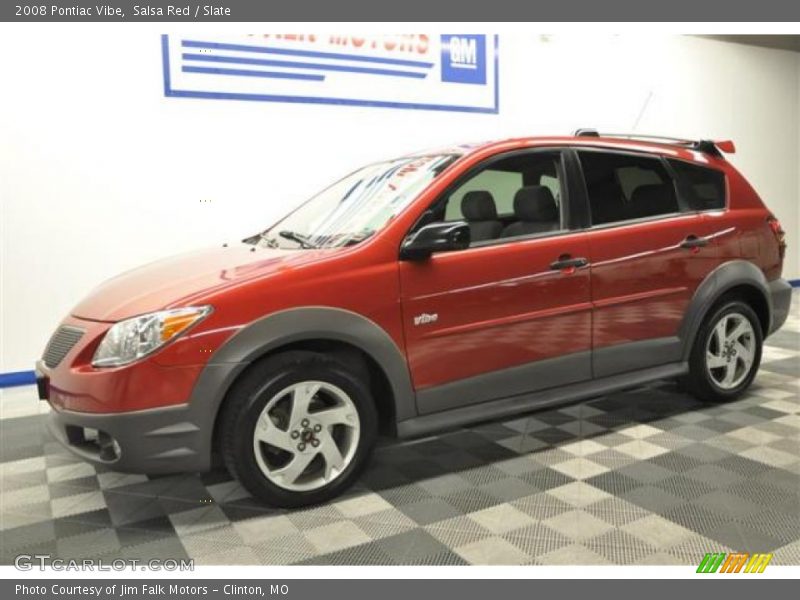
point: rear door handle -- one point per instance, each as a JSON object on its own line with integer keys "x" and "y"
{"x": 692, "y": 241}
{"x": 565, "y": 261}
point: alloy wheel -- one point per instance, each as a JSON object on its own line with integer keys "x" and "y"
{"x": 730, "y": 351}
{"x": 306, "y": 435}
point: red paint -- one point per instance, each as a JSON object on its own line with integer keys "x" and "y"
{"x": 498, "y": 306}
{"x": 642, "y": 280}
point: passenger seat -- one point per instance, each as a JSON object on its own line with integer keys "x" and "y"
{"x": 480, "y": 212}
{"x": 536, "y": 212}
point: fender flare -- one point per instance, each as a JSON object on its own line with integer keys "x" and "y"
{"x": 260, "y": 337}
{"x": 722, "y": 279}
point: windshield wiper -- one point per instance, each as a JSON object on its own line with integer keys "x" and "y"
{"x": 297, "y": 237}
{"x": 359, "y": 237}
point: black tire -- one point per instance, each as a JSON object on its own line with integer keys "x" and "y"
{"x": 250, "y": 395}
{"x": 699, "y": 381}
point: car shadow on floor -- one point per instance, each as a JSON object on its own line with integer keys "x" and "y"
{"x": 533, "y": 435}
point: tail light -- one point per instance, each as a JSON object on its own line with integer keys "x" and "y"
{"x": 780, "y": 234}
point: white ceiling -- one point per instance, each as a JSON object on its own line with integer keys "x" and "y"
{"x": 781, "y": 42}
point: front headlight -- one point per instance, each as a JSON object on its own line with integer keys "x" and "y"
{"x": 134, "y": 338}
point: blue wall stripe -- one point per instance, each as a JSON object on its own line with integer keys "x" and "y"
{"x": 794, "y": 282}
{"x": 165, "y": 60}
{"x": 246, "y": 73}
{"x": 302, "y": 65}
{"x": 306, "y": 53}
{"x": 17, "y": 378}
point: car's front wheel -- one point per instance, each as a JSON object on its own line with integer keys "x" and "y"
{"x": 298, "y": 429}
{"x": 726, "y": 353}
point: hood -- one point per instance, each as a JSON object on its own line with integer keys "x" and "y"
{"x": 175, "y": 280}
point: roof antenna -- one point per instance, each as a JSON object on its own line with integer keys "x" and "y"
{"x": 641, "y": 112}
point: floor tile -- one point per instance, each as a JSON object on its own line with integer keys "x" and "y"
{"x": 501, "y": 519}
{"x": 336, "y": 536}
{"x": 492, "y": 551}
{"x": 577, "y": 525}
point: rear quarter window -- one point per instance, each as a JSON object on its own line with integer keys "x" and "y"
{"x": 703, "y": 188}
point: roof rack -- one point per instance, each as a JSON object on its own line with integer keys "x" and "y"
{"x": 714, "y": 148}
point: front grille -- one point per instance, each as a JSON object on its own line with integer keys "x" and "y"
{"x": 62, "y": 342}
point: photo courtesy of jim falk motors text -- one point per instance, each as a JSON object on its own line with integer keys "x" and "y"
{"x": 123, "y": 590}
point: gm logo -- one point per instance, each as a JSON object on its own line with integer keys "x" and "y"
{"x": 464, "y": 59}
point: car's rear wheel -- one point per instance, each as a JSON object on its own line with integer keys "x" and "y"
{"x": 726, "y": 353}
{"x": 298, "y": 429}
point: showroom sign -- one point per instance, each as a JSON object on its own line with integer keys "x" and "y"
{"x": 452, "y": 72}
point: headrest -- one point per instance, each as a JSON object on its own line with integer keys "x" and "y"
{"x": 478, "y": 206}
{"x": 535, "y": 203}
{"x": 653, "y": 199}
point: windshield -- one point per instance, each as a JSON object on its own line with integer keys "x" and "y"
{"x": 354, "y": 208}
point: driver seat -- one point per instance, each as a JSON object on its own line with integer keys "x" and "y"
{"x": 480, "y": 212}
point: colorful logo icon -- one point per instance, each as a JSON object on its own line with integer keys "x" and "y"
{"x": 736, "y": 562}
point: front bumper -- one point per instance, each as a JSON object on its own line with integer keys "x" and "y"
{"x": 780, "y": 292}
{"x": 158, "y": 440}
{"x": 169, "y": 439}
{"x": 153, "y": 416}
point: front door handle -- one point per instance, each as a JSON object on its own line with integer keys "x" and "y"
{"x": 692, "y": 241}
{"x": 565, "y": 261}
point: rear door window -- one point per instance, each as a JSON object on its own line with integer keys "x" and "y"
{"x": 624, "y": 187}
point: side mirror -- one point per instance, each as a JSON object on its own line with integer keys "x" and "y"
{"x": 436, "y": 237}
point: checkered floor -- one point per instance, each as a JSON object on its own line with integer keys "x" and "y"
{"x": 644, "y": 477}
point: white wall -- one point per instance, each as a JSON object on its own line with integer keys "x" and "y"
{"x": 99, "y": 172}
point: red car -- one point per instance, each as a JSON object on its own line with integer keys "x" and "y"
{"x": 423, "y": 293}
